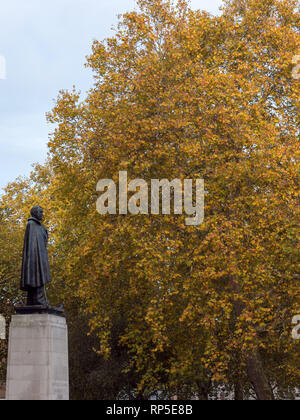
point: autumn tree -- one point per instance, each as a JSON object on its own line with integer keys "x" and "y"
{"x": 182, "y": 94}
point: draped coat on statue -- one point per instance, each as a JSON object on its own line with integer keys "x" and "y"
{"x": 35, "y": 267}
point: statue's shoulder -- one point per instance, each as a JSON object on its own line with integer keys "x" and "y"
{"x": 33, "y": 222}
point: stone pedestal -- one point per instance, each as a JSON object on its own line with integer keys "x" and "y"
{"x": 38, "y": 358}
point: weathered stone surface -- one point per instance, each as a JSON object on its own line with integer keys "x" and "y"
{"x": 38, "y": 358}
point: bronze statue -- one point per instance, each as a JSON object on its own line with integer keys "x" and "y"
{"x": 35, "y": 267}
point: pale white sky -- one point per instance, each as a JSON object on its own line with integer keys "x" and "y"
{"x": 45, "y": 44}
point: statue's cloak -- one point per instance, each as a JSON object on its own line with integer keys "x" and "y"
{"x": 35, "y": 267}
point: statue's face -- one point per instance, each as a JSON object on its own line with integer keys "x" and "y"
{"x": 38, "y": 213}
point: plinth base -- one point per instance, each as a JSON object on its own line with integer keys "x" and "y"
{"x": 38, "y": 358}
{"x": 39, "y": 309}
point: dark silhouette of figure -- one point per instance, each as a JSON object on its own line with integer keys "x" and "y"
{"x": 35, "y": 267}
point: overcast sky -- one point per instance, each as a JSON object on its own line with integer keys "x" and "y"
{"x": 44, "y": 44}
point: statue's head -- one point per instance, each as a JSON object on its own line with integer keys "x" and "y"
{"x": 37, "y": 212}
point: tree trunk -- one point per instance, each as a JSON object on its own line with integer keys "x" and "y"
{"x": 258, "y": 378}
{"x": 202, "y": 395}
{"x": 255, "y": 369}
{"x": 203, "y": 390}
{"x": 238, "y": 392}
